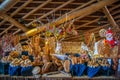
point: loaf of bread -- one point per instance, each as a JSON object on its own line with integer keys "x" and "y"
{"x": 74, "y": 60}
{"x": 67, "y": 66}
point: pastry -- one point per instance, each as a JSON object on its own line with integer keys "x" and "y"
{"x": 25, "y": 57}
{"x": 46, "y": 67}
{"x": 74, "y": 60}
{"x": 15, "y": 62}
{"x": 57, "y": 62}
{"x": 14, "y": 54}
{"x": 67, "y": 66}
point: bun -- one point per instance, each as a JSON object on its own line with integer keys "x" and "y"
{"x": 67, "y": 66}
{"x": 74, "y": 60}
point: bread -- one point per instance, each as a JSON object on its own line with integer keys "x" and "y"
{"x": 14, "y": 54}
{"x": 4, "y": 59}
{"x": 74, "y": 60}
{"x": 80, "y": 60}
{"x": 15, "y": 62}
{"x": 46, "y": 67}
{"x": 67, "y": 66}
{"x": 25, "y": 57}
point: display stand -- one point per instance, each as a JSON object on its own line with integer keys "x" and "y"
{"x": 54, "y": 77}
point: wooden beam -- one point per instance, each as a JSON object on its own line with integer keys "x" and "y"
{"x": 118, "y": 16}
{"x": 31, "y": 12}
{"x": 110, "y": 18}
{"x": 6, "y": 6}
{"x": 70, "y": 3}
{"x": 28, "y": 33}
{"x": 6, "y": 30}
{"x": 87, "y": 26}
{"x": 115, "y": 7}
{"x": 21, "y": 7}
{"x": 50, "y": 8}
{"x": 34, "y": 10}
{"x": 10, "y": 29}
{"x": 16, "y": 31}
{"x": 37, "y": 8}
{"x": 84, "y": 12}
{"x": 66, "y": 3}
{"x": 68, "y": 9}
{"x": 14, "y": 13}
{"x": 116, "y": 12}
{"x": 13, "y": 21}
{"x": 37, "y": 1}
{"x": 17, "y": 10}
{"x": 87, "y": 23}
{"x": 96, "y": 19}
{"x": 58, "y": 2}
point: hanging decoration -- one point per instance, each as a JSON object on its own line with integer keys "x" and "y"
{"x": 36, "y": 23}
{"x": 7, "y": 40}
{"x": 110, "y": 39}
{"x": 107, "y": 47}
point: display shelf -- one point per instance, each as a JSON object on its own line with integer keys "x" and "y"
{"x": 57, "y": 77}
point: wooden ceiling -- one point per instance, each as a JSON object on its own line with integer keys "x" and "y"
{"x": 26, "y": 11}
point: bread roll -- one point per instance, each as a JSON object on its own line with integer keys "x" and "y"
{"x": 74, "y": 60}
{"x": 46, "y": 67}
{"x": 67, "y": 66}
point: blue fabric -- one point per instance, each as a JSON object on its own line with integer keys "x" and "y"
{"x": 71, "y": 66}
{"x": 26, "y": 71}
{"x": 67, "y": 54}
{"x": 7, "y": 53}
{"x": 106, "y": 70}
{"x": 77, "y": 55}
{"x": 25, "y": 53}
{"x": 5, "y": 67}
{"x": 77, "y": 69}
{"x": 31, "y": 58}
{"x": 93, "y": 71}
{"x": 14, "y": 71}
{"x": 1, "y": 68}
{"x": 74, "y": 69}
{"x": 81, "y": 69}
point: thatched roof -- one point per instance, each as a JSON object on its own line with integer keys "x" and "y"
{"x": 21, "y": 13}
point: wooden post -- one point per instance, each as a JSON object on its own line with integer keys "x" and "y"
{"x": 110, "y": 18}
